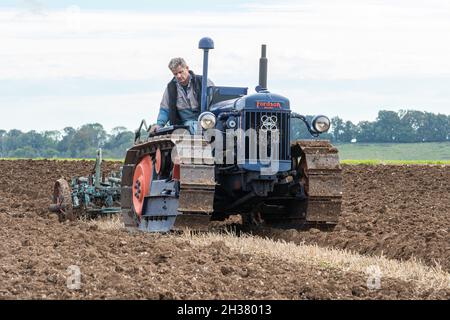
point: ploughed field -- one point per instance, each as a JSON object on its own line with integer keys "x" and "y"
{"x": 395, "y": 218}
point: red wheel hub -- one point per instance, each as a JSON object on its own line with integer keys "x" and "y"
{"x": 142, "y": 179}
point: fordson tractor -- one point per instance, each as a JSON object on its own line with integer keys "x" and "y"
{"x": 240, "y": 161}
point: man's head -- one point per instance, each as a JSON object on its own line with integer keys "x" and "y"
{"x": 180, "y": 70}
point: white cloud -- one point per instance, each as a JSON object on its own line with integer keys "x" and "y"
{"x": 314, "y": 40}
{"x": 321, "y": 40}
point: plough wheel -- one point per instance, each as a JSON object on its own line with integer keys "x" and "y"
{"x": 62, "y": 199}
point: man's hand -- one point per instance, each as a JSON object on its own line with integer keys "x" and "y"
{"x": 153, "y": 128}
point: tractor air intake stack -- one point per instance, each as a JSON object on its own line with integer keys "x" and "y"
{"x": 262, "y": 70}
{"x": 205, "y": 44}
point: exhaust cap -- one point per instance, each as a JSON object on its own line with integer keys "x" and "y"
{"x": 206, "y": 43}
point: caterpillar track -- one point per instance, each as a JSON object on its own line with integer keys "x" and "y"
{"x": 189, "y": 199}
{"x": 320, "y": 171}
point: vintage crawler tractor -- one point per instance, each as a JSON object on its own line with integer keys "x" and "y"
{"x": 172, "y": 180}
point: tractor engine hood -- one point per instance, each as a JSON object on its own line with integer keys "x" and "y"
{"x": 262, "y": 101}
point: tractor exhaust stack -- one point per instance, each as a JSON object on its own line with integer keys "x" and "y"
{"x": 262, "y": 70}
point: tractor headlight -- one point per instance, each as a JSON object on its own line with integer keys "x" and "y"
{"x": 321, "y": 124}
{"x": 207, "y": 120}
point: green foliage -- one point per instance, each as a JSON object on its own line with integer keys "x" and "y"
{"x": 389, "y": 126}
{"x": 71, "y": 143}
{"x": 24, "y": 152}
{"x": 118, "y": 143}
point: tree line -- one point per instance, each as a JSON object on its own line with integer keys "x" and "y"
{"x": 404, "y": 126}
{"x": 389, "y": 126}
{"x": 70, "y": 143}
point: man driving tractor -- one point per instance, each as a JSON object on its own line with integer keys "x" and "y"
{"x": 180, "y": 104}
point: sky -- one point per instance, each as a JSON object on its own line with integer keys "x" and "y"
{"x": 68, "y": 63}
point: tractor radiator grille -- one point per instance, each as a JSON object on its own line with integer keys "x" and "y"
{"x": 255, "y": 120}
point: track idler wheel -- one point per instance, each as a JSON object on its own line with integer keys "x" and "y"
{"x": 62, "y": 201}
{"x": 142, "y": 179}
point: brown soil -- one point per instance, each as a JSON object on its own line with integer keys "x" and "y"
{"x": 399, "y": 211}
